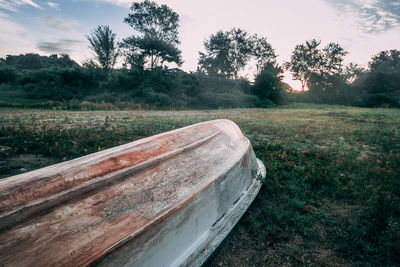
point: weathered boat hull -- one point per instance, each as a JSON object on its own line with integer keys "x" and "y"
{"x": 166, "y": 200}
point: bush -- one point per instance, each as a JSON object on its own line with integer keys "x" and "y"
{"x": 268, "y": 85}
{"x": 159, "y": 87}
{"x": 8, "y": 74}
{"x": 57, "y": 84}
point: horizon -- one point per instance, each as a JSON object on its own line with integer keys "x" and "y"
{"x": 363, "y": 28}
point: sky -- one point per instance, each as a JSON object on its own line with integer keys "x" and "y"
{"x": 362, "y": 27}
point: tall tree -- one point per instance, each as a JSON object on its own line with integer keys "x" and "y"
{"x": 103, "y": 44}
{"x": 313, "y": 66}
{"x": 332, "y": 59}
{"x": 156, "y": 38}
{"x": 226, "y": 53}
{"x": 305, "y": 60}
{"x": 262, "y": 52}
{"x": 240, "y": 50}
{"x": 217, "y": 61}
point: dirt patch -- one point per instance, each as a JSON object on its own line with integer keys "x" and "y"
{"x": 367, "y": 153}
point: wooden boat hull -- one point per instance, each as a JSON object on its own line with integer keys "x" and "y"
{"x": 166, "y": 200}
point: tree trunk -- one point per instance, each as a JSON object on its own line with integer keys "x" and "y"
{"x": 303, "y": 85}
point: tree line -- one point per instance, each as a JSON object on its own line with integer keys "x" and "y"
{"x": 146, "y": 75}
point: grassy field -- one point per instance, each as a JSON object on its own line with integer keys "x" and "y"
{"x": 332, "y": 192}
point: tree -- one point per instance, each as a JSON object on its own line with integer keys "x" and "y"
{"x": 157, "y": 35}
{"x": 332, "y": 59}
{"x": 103, "y": 44}
{"x": 305, "y": 60}
{"x": 353, "y": 72}
{"x": 156, "y": 50}
{"x": 380, "y": 82}
{"x": 385, "y": 59}
{"x": 226, "y": 53}
{"x": 268, "y": 84}
{"x": 241, "y": 48}
{"x": 216, "y": 61}
{"x": 262, "y": 51}
{"x": 313, "y": 66}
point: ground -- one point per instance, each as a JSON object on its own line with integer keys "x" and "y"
{"x": 331, "y": 195}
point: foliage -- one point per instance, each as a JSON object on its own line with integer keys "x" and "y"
{"x": 268, "y": 85}
{"x": 57, "y": 84}
{"x": 34, "y": 61}
{"x": 379, "y": 84}
{"x": 228, "y": 52}
{"x": 241, "y": 48}
{"x": 262, "y": 51}
{"x": 315, "y": 67}
{"x": 217, "y": 61}
{"x": 157, "y": 35}
{"x": 152, "y": 47}
{"x": 305, "y": 59}
{"x": 8, "y": 74}
{"x": 103, "y": 44}
{"x": 156, "y": 88}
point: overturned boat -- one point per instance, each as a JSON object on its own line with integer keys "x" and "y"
{"x": 166, "y": 200}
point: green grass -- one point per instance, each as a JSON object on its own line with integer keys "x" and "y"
{"x": 332, "y": 192}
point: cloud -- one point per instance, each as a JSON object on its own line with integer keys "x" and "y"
{"x": 371, "y": 16}
{"x": 14, "y": 37}
{"x": 13, "y": 5}
{"x": 119, "y": 2}
{"x": 31, "y": 3}
{"x": 61, "y": 24}
{"x": 56, "y": 6}
{"x": 61, "y": 46}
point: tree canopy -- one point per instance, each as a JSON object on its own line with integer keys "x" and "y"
{"x": 268, "y": 84}
{"x": 217, "y": 59}
{"x": 103, "y": 44}
{"x": 227, "y": 53}
{"x": 32, "y": 61}
{"x": 311, "y": 65}
{"x": 262, "y": 51}
{"x": 156, "y": 35}
{"x": 380, "y": 82}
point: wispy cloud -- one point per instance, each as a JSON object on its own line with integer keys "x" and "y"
{"x": 56, "y": 6}
{"x": 61, "y": 24}
{"x": 371, "y": 16}
{"x": 119, "y": 2}
{"x": 61, "y": 46}
{"x": 31, "y": 3}
{"x": 13, "y": 5}
{"x": 14, "y": 37}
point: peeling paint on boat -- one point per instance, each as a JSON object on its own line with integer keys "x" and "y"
{"x": 166, "y": 200}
